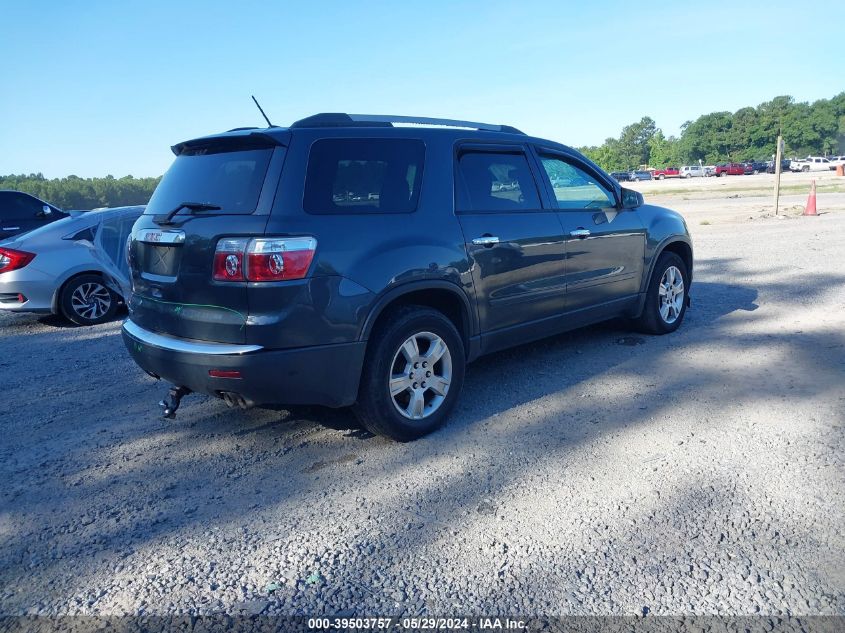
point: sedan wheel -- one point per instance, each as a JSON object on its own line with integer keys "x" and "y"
{"x": 85, "y": 300}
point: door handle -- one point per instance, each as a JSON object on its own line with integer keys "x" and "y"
{"x": 485, "y": 240}
{"x": 582, "y": 233}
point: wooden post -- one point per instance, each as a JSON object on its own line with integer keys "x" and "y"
{"x": 778, "y": 155}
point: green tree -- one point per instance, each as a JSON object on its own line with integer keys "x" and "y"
{"x": 74, "y": 192}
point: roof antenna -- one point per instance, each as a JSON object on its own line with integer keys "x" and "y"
{"x": 262, "y": 112}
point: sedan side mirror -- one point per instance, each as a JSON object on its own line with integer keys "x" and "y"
{"x": 631, "y": 199}
{"x": 45, "y": 212}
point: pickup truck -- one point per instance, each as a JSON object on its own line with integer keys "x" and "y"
{"x": 730, "y": 169}
{"x": 667, "y": 172}
{"x": 811, "y": 163}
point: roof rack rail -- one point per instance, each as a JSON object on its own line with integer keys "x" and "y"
{"x": 341, "y": 119}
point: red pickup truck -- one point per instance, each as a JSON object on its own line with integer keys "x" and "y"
{"x": 667, "y": 172}
{"x": 730, "y": 169}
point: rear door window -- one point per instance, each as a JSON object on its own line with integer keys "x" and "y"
{"x": 494, "y": 181}
{"x": 229, "y": 179}
{"x": 363, "y": 175}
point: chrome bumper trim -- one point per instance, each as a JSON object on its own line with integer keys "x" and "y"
{"x": 186, "y": 346}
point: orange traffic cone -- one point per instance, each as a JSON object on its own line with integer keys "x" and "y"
{"x": 810, "y": 209}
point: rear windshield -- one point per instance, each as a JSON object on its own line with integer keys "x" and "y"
{"x": 231, "y": 180}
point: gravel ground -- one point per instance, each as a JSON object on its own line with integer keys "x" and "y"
{"x": 599, "y": 472}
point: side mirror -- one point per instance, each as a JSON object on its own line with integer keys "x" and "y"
{"x": 631, "y": 199}
{"x": 45, "y": 212}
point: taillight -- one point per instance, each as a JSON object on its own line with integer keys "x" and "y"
{"x": 229, "y": 259}
{"x": 263, "y": 259}
{"x": 278, "y": 259}
{"x": 10, "y": 259}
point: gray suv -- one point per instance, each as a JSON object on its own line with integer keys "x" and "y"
{"x": 349, "y": 261}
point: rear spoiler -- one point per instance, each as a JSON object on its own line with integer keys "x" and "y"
{"x": 230, "y": 142}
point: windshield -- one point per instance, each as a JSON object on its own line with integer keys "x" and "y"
{"x": 231, "y": 180}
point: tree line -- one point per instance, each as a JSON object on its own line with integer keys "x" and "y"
{"x": 816, "y": 128}
{"x": 74, "y": 192}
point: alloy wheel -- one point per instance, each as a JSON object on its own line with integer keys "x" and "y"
{"x": 670, "y": 295}
{"x": 420, "y": 375}
{"x": 91, "y": 300}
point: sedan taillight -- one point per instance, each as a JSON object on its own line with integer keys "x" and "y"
{"x": 263, "y": 259}
{"x": 10, "y": 259}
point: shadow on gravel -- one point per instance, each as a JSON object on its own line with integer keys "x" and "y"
{"x": 123, "y": 483}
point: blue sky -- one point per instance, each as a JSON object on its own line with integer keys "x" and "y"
{"x": 94, "y": 88}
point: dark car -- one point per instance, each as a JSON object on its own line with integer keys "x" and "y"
{"x": 21, "y": 212}
{"x": 755, "y": 167}
{"x": 636, "y": 176}
{"x": 621, "y": 176}
{"x": 259, "y": 279}
{"x": 784, "y": 166}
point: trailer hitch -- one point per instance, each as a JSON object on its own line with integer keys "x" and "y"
{"x": 171, "y": 403}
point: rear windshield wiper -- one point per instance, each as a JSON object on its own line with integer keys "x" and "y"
{"x": 193, "y": 206}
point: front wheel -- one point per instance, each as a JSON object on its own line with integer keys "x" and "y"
{"x": 85, "y": 300}
{"x": 413, "y": 374}
{"x": 666, "y": 298}
{"x": 805, "y": 168}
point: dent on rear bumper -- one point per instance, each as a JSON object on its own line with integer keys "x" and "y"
{"x": 319, "y": 375}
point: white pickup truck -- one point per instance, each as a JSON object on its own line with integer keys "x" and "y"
{"x": 811, "y": 163}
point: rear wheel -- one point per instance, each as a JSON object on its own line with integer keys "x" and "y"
{"x": 413, "y": 374}
{"x": 666, "y": 298}
{"x": 85, "y": 300}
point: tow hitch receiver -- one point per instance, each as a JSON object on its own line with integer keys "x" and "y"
{"x": 171, "y": 403}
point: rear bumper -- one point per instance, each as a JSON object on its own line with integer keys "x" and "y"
{"x": 322, "y": 375}
{"x": 37, "y": 289}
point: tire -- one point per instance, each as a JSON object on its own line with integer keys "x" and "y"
{"x": 652, "y": 320}
{"x": 662, "y": 177}
{"x": 805, "y": 168}
{"x": 723, "y": 174}
{"x": 388, "y": 356}
{"x": 85, "y": 300}
{"x": 688, "y": 176}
